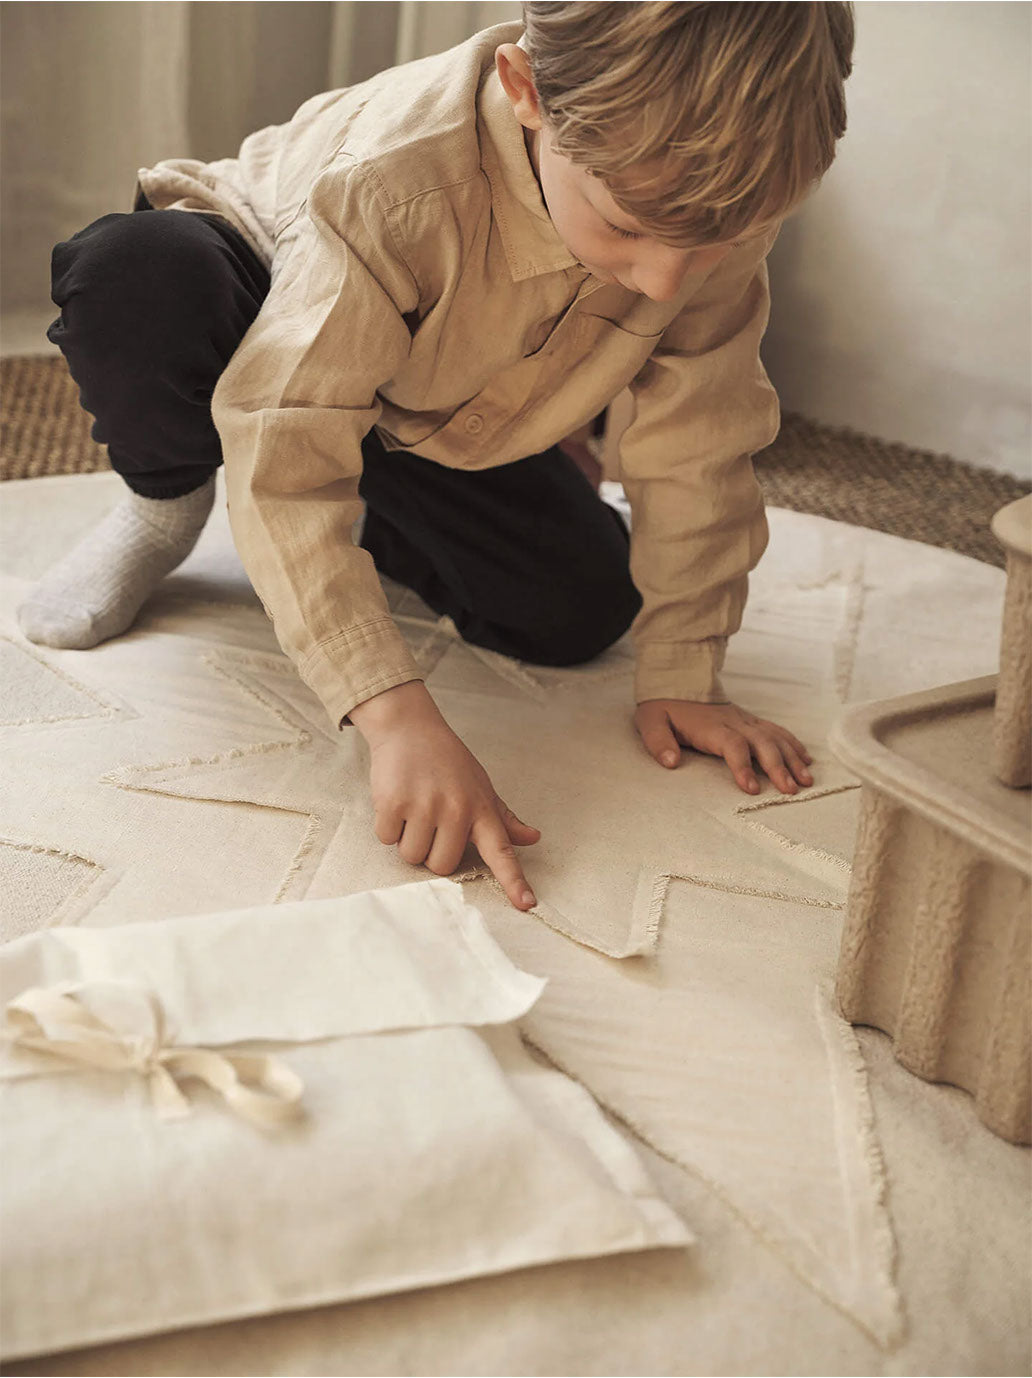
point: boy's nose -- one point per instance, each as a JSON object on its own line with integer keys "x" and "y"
{"x": 661, "y": 276}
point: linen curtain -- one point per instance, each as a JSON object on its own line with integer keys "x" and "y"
{"x": 94, "y": 90}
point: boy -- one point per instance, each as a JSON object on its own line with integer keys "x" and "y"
{"x": 408, "y": 296}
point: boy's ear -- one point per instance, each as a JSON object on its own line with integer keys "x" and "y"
{"x": 513, "y": 67}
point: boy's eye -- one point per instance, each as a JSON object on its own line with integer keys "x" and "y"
{"x": 624, "y": 234}
{"x": 633, "y": 234}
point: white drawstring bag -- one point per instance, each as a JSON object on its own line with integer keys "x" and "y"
{"x": 233, "y": 1114}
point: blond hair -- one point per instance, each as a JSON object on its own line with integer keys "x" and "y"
{"x": 703, "y": 120}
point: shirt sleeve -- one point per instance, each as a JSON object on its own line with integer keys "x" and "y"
{"x": 292, "y": 409}
{"x": 702, "y": 405}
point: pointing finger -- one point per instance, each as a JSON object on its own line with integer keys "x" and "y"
{"x": 493, "y": 843}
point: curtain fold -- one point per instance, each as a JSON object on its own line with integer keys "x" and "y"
{"x": 90, "y": 92}
{"x": 430, "y": 28}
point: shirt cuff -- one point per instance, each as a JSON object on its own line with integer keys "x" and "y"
{"x": 356, "y": 665}
{"x": 681, "y": 670}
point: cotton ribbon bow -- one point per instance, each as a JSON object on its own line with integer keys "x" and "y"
{"x": 57, "y": 1021}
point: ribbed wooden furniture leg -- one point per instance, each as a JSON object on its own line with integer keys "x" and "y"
{"x": 1012, "y": 722}
{"x": 950, "y": 869}
{"x": 878, "y": 821}
{"x": 1003, "y": 1096}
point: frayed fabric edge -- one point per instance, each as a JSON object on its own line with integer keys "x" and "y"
{"x": 885, "y": 1339}
{"x": 643, "y": 928}
{"x": 868, "y": 1200}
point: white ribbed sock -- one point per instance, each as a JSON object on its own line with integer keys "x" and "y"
{"x": 95, "y": 592}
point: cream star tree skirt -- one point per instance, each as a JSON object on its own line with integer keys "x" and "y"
{"x": 850, "y": 1218}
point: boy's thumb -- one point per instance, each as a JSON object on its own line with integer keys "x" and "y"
{"x": 520, "y": 833}
{"x": 657, "y": 736}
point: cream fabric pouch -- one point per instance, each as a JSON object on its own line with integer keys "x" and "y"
{"x": 284, "y": 1107}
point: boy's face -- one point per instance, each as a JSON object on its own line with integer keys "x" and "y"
{"x": 607, "y": 241}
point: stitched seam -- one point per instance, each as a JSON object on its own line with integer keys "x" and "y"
{"x": 389, "y": 211}
{"x": 364, "y": 631}
{"x": 390, "y": 679}
{"x": 700, "y": 641}
{"x": 393, "y": 205}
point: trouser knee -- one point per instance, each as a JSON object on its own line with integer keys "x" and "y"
{"x": 578, "y": 631}
{"x": 153, "y": 306}
{"x": 134, "y": 287}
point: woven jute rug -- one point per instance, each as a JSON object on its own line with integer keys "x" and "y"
{"x": 825, "y": 470}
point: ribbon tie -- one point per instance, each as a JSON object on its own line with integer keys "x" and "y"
{"x": 56, "y": 1020}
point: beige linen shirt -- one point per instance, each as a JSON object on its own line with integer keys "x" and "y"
{"x": 419, "y": 286}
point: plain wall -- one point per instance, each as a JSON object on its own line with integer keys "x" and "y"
{"x": 902, "y": 289}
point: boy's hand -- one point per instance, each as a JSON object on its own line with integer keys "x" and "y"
{"x": 721, "y": 729}
{"x": 431, "y": 794}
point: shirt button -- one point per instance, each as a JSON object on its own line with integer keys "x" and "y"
{"x": 474, "y": 424}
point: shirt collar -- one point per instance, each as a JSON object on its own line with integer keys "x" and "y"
{"x": 532, "y": 245}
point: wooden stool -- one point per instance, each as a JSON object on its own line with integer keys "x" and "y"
{"x": 936, "y": 943}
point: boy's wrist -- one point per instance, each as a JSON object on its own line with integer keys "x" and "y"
{"x": 385, "y": 713}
